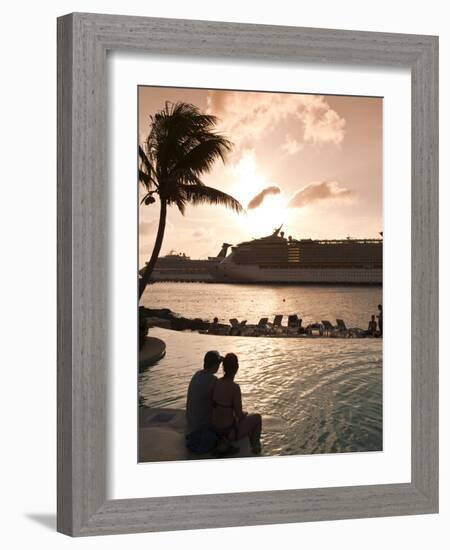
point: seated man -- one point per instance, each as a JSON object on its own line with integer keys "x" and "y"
{"x": 199, "y": 406}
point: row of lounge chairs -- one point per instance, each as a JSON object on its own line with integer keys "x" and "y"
{"x": 294, "y": 327}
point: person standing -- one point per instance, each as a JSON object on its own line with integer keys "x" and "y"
{"x": 372, "y": 328}
{"x": 380, "y": 319}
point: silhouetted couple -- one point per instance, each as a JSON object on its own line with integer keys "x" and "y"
{"x": 215, "y": 404}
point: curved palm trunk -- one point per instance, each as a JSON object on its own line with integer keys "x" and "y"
{"x": 145, "y": 279}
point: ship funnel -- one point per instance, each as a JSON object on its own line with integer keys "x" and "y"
{"x": 224, "y": 250}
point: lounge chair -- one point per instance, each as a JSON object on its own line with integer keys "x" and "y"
{"x": 341, "y": 327}
{"x": 236, "y": 326}
{"x": 328, "y": 328}
{"x": 236, "y": 323}
{"x": 276, "y": 326}
{"x": 293, "y": 324}
{"x": 314, "y": 329}
{"x": 292, "y": 321}
{"x": 261, "y": 327}
{"x": 277, "y": 320}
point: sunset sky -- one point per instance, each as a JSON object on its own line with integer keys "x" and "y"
{"x": 310, "y": 162}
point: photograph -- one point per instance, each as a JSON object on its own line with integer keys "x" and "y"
{"x": 260, "y": 273}
{"x": 227, "y": 330}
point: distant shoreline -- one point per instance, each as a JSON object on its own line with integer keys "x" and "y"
{"x": 167, "y": 319}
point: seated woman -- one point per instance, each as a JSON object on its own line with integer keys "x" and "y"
{"x": 229, "y": 420}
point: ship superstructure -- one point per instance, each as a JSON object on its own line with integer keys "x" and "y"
{"x": 276, "y": 259}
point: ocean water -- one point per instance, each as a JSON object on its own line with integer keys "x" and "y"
{"x": 311, "y": 303}
{"x": 315, "y": 395}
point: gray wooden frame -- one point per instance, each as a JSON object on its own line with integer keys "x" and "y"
{"x": 83, "y": 41}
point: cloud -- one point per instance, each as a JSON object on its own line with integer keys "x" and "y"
{"x": 258, "y": 199}
{"x": 248, "y": 116}
{"x": 150, "y": 228}
{"x": 200, "y": 233}
{"x": 319, "y": 191}
{"x": 291, "y": 146}
{"x": 147, "y": 228}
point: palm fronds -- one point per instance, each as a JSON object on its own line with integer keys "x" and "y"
{"x": 181, "y": 147}
{"x": 202, "y": 194}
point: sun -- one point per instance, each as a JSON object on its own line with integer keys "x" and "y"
{"x": 262, "y": 220}
{"x": 247, "y": 181}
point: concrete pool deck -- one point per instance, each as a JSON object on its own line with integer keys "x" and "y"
{"x": 162, "y": 435}
{"x": 153, "y": 350}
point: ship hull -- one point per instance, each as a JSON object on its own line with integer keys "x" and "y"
{"x": 232, "y": 273}
{"x": 182, "y": 277}
{"x": 184, "y": 270}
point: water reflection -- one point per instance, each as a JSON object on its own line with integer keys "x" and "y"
{"x": 311, "y": 302}
{"x": 321, "y": 395}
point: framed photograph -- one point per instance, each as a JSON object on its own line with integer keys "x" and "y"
{"x": 247, "y": 274}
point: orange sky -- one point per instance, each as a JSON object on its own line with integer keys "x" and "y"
{"x": 311, "y": 162}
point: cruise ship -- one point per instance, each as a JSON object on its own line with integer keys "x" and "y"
{"x": 177, "y": 267}
{"x": 276, "y": 259}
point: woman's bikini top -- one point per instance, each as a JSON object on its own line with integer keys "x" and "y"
{"x": 216, "y": 404}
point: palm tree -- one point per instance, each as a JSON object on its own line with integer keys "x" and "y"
{"x": 181, "y": 147}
